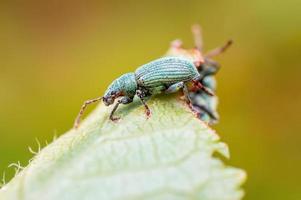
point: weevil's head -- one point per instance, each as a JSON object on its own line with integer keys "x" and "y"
{"x": 125, "y": 85}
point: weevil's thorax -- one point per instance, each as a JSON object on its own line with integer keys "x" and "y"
{"x": 125, "y": 85}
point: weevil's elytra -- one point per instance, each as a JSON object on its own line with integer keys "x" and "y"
{"x": 166, "y": 71}
{"x": 167, "y": 74}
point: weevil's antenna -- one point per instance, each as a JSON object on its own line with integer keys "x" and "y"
{"x": 198, "y": 36}
{"x": 83, "y": 108}
{"x": 219, "y": 50}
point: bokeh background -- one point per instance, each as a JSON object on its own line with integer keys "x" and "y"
{"x": 54, "y": 54}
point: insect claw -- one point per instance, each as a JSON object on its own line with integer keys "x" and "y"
{"x": 148, "y": 114}
{"x": 115, "y": 119}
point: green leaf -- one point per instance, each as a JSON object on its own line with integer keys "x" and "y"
{"x": 168, "y": 156}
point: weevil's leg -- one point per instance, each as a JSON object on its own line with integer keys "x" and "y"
{"x": 198, "y": 85}
{"x": 219, "y": 50}
{"x": 148, "y": 112}
{"x": 141, "y": 94}
{"x": 188, "y": 100}
{"x": 174, "y": 88}
{"x": 113, "y": 111}
{"x": 83, "y": 108}
{"x": 186, "y": 94}
{"x": 198, "y": 37}
{"x": 123, "y": 100}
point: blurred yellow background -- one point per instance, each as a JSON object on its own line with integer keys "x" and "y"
{"x": 55, "y": 54}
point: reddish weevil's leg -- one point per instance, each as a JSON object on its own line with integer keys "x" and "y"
{"x": 123, "y": 100}
{"x": 186, "y": 94}
{"x": 148, "y": 112}
{"x": 113, "y": 111}
{"x": 83, "y": 108}
{"x": 142, "y": 96}
{"x": 198, "y": 85}
{"x": 188, "y": 100}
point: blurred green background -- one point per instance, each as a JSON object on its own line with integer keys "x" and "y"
{"x": 56, "y": 54}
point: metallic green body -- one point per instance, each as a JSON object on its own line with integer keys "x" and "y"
{"x": 159, "y": 74}
{"x": 167, "y": 74}
{"x": 154, "y": 77}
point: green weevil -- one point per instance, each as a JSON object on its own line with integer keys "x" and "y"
{"x": 167, "y": 74}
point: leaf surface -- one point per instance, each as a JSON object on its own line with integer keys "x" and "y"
{"x": 168, "y": 156}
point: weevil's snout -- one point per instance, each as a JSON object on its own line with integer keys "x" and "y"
{"x": 109, "y": 97}
{"x": 108, "y": 100}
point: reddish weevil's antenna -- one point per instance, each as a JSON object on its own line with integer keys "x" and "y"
{"x": 83, "y": 108}
{"x": 198, "y": 37}
{"x": 219, "y": 50}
